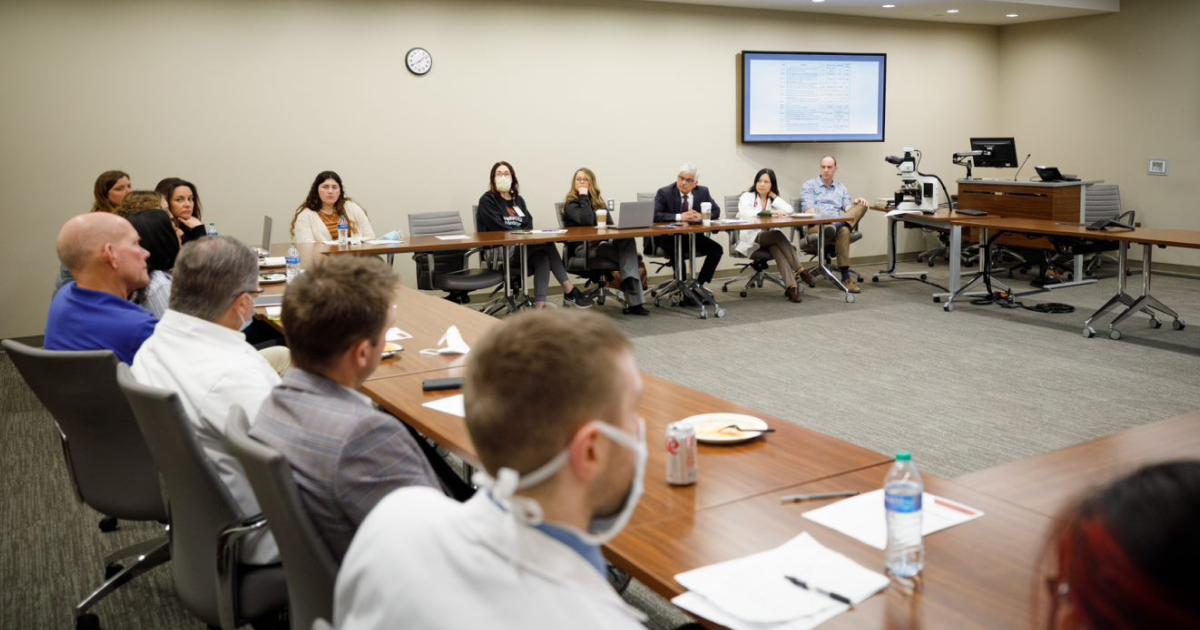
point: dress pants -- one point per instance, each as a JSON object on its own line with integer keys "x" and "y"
{"x": 543, "y": 259}
{"x": 706, "y": 248}
{"x": 623, "y": 252}
{"x": 841, "y": 238}
{"x": 781, "y": 249}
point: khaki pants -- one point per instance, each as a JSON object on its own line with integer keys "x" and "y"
{"x": 279, "y": 357}
{"x": 841, "y": 240}
{"x": 783, "y": 252}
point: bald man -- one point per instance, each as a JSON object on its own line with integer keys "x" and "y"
{"x": 94, "y": 312}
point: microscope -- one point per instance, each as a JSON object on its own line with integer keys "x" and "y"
{"x": 917, "y": 191}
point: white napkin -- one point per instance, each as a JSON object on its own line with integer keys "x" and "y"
{"x": 451, "y": 343}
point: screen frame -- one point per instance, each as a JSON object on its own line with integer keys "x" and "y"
{"x": 744, "y": 69}
{"x": 979, "y": 141}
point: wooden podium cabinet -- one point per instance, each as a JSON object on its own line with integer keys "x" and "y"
{"x": 1056, "y": 201}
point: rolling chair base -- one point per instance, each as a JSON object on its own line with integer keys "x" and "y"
{"x": 149, "y": 554}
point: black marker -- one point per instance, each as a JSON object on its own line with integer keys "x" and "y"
{"x": 834, "y": 596}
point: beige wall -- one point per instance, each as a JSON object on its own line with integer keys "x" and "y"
{"x": 1099, "y": 96}
{"x": 251, "y": 99}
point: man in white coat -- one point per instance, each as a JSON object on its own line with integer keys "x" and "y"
{"x": 551, "y": 402}
{"x": 198, "y": 352}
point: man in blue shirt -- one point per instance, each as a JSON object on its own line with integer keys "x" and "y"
{"x": 94, "y": 312}
{"x": 828, "y": 198}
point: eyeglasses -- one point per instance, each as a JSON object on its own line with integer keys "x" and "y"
{"x": 687, "y": 180}
{"x": 252, "y": 292}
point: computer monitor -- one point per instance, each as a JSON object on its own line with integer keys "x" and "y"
{"x": 997, "y": 152}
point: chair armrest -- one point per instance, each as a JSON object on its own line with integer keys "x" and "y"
{"x": 229, "y": 543}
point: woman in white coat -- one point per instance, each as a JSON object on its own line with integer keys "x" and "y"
{"x": 764, "y": 199}
{"x": 316, "y": 219}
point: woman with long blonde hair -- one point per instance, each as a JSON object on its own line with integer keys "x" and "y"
{"x": 579, "y": 209}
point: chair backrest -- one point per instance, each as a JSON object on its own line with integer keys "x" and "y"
{"x": 310, "y": 567}
{"x": 445, "y": 261}
{"x": 558, "y": 213}
{"x": 731, "y": 206}
{"x": 1103, "y": 201}
{"x": 434, "y": 223}
{"x": 475, "y": 216}
{"x": 107, "y": 458}
{"x": 795, "y": 201}
{"x": 200, "y": 504}
{"x": 644, "y": 196}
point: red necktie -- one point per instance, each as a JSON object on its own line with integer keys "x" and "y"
{"x": 684, "y": 206}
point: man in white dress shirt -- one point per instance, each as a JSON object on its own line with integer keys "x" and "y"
{"x": 550, "y": 403}
{"x": 198, "y": 351}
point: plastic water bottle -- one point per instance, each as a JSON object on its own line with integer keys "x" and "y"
{"x": 902, "y": 490}
{"x": 211, "y": 230}
{"x": 293, "y": 263}
{"x": 343, "y": 231}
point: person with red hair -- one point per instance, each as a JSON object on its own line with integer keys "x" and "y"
{"x": 1128, "y": 555}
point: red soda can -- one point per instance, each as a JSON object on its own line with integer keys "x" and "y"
{"x": 682, "y": 465}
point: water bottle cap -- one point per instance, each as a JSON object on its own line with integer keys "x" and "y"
{"x": 903, "y": 456}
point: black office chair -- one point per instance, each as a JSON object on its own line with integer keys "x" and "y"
{"x": 307, "y": 561}
{"x": 450, "y": 270}
{"x": 207, "y": 528}
{"x": 597, "y": 273}
{"x": 108, "y": 462}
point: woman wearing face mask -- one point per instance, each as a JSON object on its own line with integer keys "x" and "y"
{"x": 158, "y": 237}
{"x": 183, "y": 202}
{"x": 316, "y": 219}
{"x": 502, "y": 208}
{"x": 763, "y": 198}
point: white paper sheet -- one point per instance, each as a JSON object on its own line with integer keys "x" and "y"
{"x": 453, "y": 237}
{"x": 862, "y": 517}
{"x": 755, "y": 588}
{"x": 383, "y": 241}
{"x": 452, "y": 405}
{"x": 272, "y": 261}
{"x": 697, "y": 605}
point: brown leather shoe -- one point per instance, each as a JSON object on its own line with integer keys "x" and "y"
{"x": 806, "y": 277}
{"x": 852, "y": 286}
{"x": 793, "y": 293}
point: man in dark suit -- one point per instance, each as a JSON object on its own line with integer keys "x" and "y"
{"x": 681, "y": 202}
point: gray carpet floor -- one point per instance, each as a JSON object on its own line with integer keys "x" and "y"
{"x": 964, "y": 391}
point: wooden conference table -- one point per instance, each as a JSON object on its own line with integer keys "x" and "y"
{"x": 1148, "y": 238}
{"x": 1046, "y": 483}
{"x": 517, "y": 295}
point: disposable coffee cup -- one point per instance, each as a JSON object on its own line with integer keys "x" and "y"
{"x": 602, "y": 219}
{"x": 706, "y": 212}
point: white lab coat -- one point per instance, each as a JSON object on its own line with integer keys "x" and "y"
{"x": 212, "y": 368}
{"x": 749, "y": 205}
{"x": 422, "y": 560}
{"x": 311, "y": 229}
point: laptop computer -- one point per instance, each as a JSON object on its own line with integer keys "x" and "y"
{"x": 264, "y": 251}
{"x": 635, "y": 214}
{"x": 1052, "y": 174}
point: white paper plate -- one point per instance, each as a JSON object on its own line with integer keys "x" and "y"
{"x": 272, "y": 278}
{"x": 708, "y": 427}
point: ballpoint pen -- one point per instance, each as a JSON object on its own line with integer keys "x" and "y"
{"x": 820, "y": 591}
{"x": 796, "y": 498}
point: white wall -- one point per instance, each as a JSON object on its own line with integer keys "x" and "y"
{"x": 1099, "y": 96}
{"x": 251, "y": 99}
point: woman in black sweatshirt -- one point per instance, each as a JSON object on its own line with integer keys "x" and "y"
{"x": 502, "y": 208}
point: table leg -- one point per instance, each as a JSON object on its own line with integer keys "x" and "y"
{"x": 824, "y": 269}
{"x": 1146, "y": 301}
{"x": 891, "y": 272}
{"x": 693, "y": 289}
{"x": 1121, "y": 296}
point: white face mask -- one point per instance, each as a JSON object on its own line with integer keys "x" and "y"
{"x": 503, "y": 183}
{"x": 602, "y": 529}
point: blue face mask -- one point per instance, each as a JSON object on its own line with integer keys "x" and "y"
{"x": 245, "y": 322}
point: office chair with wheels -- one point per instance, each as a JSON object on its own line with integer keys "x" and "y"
{"x": 759, "y": 261}
{"x": 110, "y": 467}
{"x": 307, "y": 563}
{"x": 449, "y": 270}
{"x": 207, "y": 529}
{"x": 807, "y": 241}
{"x": 1103, "y": 201}
{"x": 596, "y": 272}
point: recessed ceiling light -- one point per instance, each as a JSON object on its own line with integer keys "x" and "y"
{"x": 1012, "y": 15}
{"x": 951, "y": 10}
{"x": 818, "y": 0}
{"x": 889, "y": 6}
